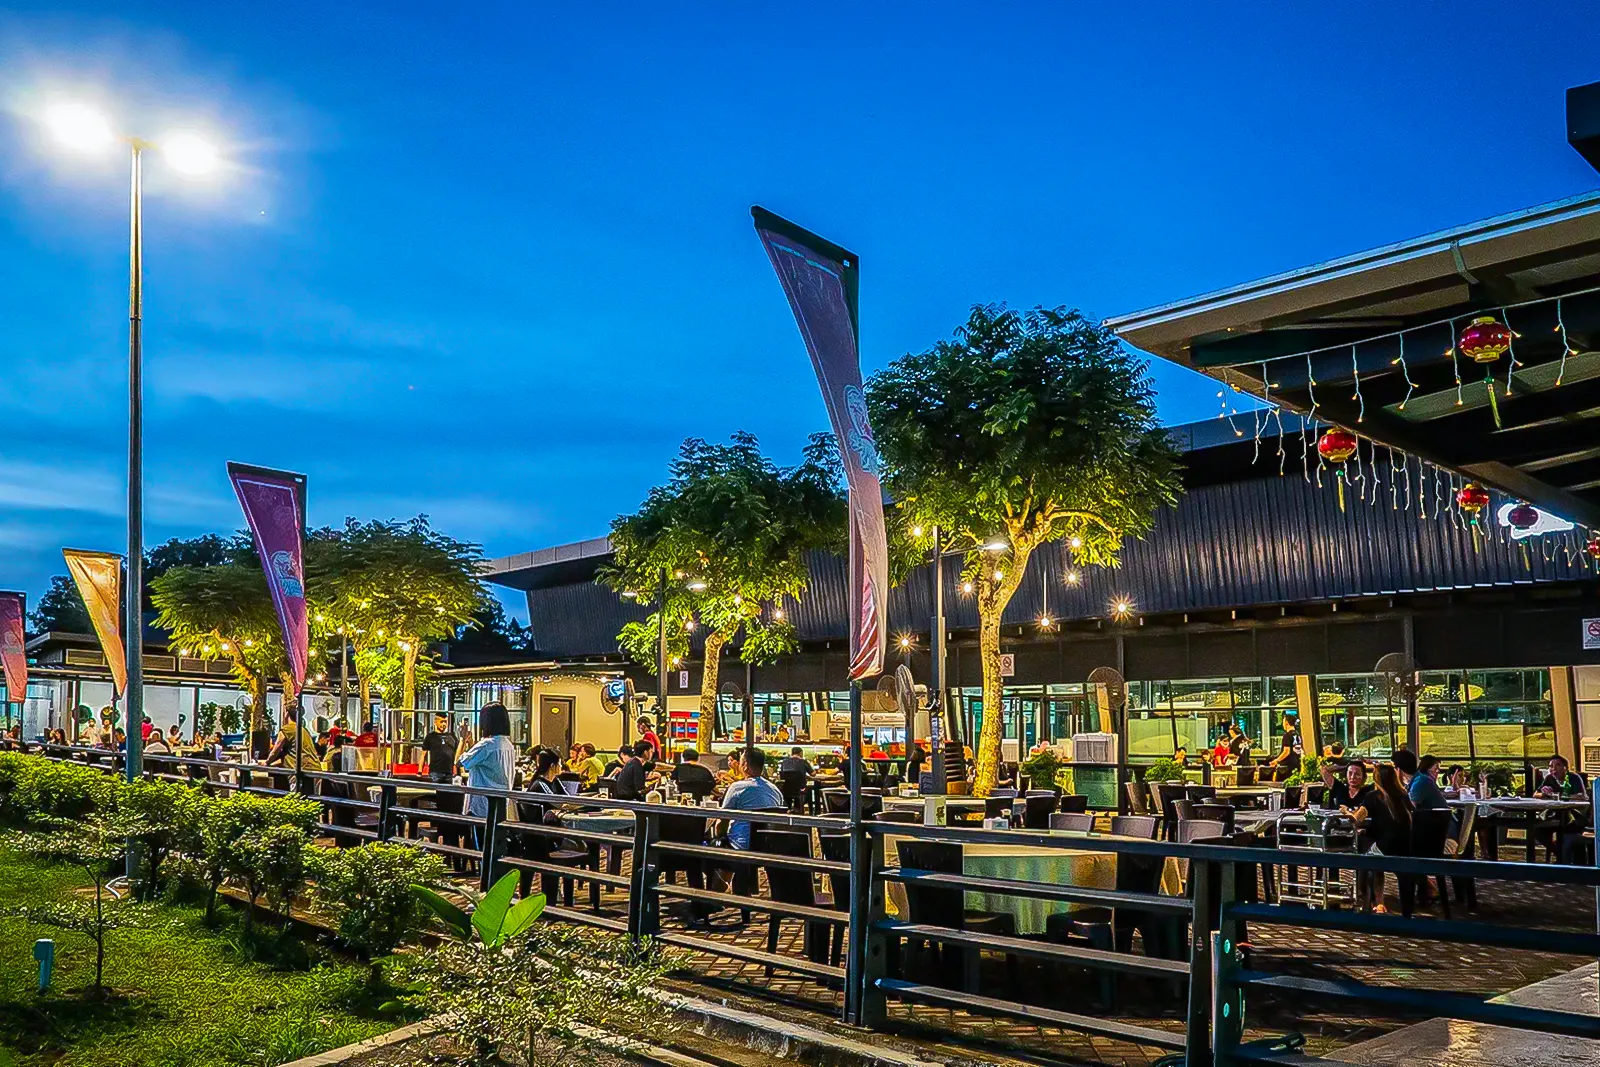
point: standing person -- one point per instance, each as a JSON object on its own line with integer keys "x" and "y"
{"x": 439, "y": 749}
{"x": 282, "y": 751}
{"x": 647, "y": 733}
{"x": 1290, "y": 750}
{"x": 491, "y": 763}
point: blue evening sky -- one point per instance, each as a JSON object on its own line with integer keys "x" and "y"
{"x": 494, "y": 263}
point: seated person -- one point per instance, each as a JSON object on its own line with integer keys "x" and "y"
{"x": 795, "y": 763}
{"x": 632, "y": 782}
{"x": 1423, "y": 787}
{"x": 1562, "y": 781}
{"x": 750, "y": 793}
{"x": 590, "y": 767}
{"x": 624, "y": 753}
{"x": 691, "y": 777}
{"x": 1353, "y": 791}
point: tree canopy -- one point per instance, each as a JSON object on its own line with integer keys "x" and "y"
{"x": 61, "y": 609}
{"x": 731, "y": 530}
{"x": 392, "y": 588}
{"x": 224, "y": 611}
{"x": 1023, "y": 428}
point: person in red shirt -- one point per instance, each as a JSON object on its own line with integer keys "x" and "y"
{"x": 646, "y": 733}
{"x": 146, "y": 728}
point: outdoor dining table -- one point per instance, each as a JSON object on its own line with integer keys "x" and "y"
{"x": 616, "y": 822}
{"x": 1080, "y": 866}
{"x": 952, "y": 805}
{"x": 1530, "y": 813}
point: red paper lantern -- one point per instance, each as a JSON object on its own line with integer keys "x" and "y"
{"x": 1336, "y": 446}
{"x": 1472, "y": 499}
{"x": 1484, "y": 340}
{"x": 1593, "y": 548}
{"x": 1523, "y": 517}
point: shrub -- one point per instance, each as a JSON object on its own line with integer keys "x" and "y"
{"x": 1165, "y": 769}
{"x": 12, "y": 767}
{"x": 172, "y": 812}
{"x": 270, "y": 861}
{"x": 227, "y": 822}
{"x": 48, "y": 790}
{"x": 369, "y": 888}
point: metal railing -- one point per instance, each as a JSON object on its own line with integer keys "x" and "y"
{"x": 1211, "y": 910}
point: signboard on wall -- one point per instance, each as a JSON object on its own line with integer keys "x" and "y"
{"x": 683, "y": 679}
{"x": 1591, "y": 633}
{"x": 1008, "y": 664}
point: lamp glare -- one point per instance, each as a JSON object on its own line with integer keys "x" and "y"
{"x": 79, "y": 127}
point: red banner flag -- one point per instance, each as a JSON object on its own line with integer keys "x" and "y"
{"x": 13, "y": 641}
{"x": 274, "y": 504}
{"x": 98, "y": 576}
{"x": 820, "y": 280}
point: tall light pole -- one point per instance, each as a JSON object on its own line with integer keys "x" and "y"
{"x": 85, "y": 129}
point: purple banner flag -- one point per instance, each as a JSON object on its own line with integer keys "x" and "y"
{"x": 274, "y": 504}
{"x": 819, "y": 279}
{"x": 13, "y": 642}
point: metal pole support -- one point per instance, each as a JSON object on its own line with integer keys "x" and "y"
{"x": 385, "y": 806}
{"x": 644, "y": 907}
{"x": 860, "y": 871}
{"x": 490, "y": 859}
{"x": 1197, "y": 1031}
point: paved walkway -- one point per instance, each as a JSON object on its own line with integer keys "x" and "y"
{"x": 1448, "y": 1043}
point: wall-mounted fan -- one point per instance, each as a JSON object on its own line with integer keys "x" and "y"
{"x": 616, "y": 695}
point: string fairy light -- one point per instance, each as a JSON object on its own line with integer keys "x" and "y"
{"x": 1400, "y": 360}
{"x": 1455, "y": 361}
{"x": 1566, "y": 345}
{"x": 1355, "y": 369}
{"x": 1394, "y": 489}
{"x": 1511, "y": 349}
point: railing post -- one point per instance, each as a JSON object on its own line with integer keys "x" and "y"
{"x": 490, "y": 858}
{"x": 1227, "y": 999}
{"x": 644, "y": 907}
{"x": 1197, "y": 1031}
{"x": 860, "y": 870}
{"x": 874, "y": 1005}
{"x": 385, "y": 805}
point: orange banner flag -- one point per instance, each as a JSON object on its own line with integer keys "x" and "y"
{"x": 99, "y": 579}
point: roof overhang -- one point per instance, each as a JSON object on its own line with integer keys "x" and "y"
{"x": 1304, "y": 339}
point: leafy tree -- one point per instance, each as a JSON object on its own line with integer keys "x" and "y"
{"x": 393, "y": 585}
{"x": 97, "y": 844}
{"x": 732, "y": 530}
{"x": 61, "y": 609}
{"x": 171, "y": 813}
{"x": 1021, "y": 429}
{"x": 228, "y": 830}
{"x": 369, "y": 889}
{"x": 224, "y": 611}
{"x": 207, "y": 550}
{"x": 491, "y": 635}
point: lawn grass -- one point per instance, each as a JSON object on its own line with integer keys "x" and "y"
{"x": 182, "y": 995}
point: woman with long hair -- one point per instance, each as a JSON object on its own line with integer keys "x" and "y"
{"x": 491, "y": 763}
{"x": 1385, "y": 819}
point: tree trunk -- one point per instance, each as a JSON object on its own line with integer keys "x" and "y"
{"x": 99, "y": 936}
{"x": 710, "y": 675}
{"x": 993, "y": 598}
{"x": 409, "y": 684}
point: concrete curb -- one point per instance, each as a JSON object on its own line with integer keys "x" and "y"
{"x": 340, "y": 1055}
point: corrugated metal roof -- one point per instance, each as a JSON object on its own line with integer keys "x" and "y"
{"x": 1265, "y": 541}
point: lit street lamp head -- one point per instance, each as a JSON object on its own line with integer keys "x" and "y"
{"x": 79, "y": 127}
{"x": 188, "y": 154}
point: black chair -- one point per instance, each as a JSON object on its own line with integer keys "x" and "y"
{"x": 788, "y": 885}
{"x": 1072, "y": 820}
{"x": 1037, "y": 809}
{"x": 1199, "y": 794}
{"x": 836, "y": 848}
{"x": 683, "y": 830}
{"x": 995, "y": 806}
{"x": 1135, "y": 825}
{"x": 1112, "y": 929}
{"x": 1170, "y": 793}
{"x": 1430, "y": 828}
{"x": 941, "y": 906}
{"x": 1074, "y": 803}
{"x": 792, "y": 784}
{"x": 836, "y": 801}
{"x": 1223, "y": 813}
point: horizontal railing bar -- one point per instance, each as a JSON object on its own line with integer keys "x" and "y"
{"x": 1464, "y": 1006}
{"x": 429, "y": 813}
{"x": 1044, "y": 950}
{"x": 1087, "y": 1024}
{"x": 1245, "y": 1054}
{"x": 748, "y": 858}
{"x": 1110, "y": 898}
{"x": 762, "y": 904}
{"x": 751, "y": 955}
{"x": 343, "y": 802}
{"x": 579, "y": 874}
{"x": 347, "y": 831}
{"x": 594, "y": 836}
{"x": 441, "y": 848}
{"x": 1489, "y": 870}
{"x": 1453, "y": 930}
{"x": 586, "y": 918}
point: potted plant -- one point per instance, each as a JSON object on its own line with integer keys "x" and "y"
{"x": 1043, "y": 768}
{"x": 1165, "y": 769}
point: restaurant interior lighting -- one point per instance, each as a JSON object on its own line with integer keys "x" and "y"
{"x": 1075, "y": 542}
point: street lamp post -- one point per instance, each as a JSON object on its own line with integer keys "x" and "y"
{"x": 85, "y": 129}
